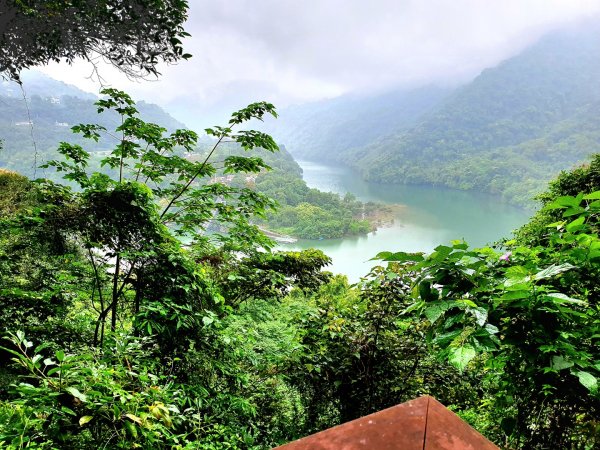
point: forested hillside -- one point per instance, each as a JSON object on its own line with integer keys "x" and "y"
{"x": 507, "y": 132}
{"x": 53, "y": 107}
{"x": 328, "y": 129}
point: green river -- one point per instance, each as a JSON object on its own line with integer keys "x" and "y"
{"x": 431, "y": 216}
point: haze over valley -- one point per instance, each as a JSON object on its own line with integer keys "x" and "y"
{"x": 499, "y": 138}
{"x": 236, "y": 225}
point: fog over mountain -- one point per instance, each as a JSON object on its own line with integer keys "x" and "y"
{"x": 507, "y": 132}
{"x": 295, "y": 52}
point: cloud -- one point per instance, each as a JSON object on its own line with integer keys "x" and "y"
{"x": 288, "y": 51}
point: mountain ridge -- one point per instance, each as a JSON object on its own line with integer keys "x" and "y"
{"x": 507, "y": 132}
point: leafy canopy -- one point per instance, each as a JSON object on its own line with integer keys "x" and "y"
{"x": 132, "y": 35}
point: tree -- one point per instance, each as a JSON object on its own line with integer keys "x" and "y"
{"x": 126, "y": 216}
{"x": 531, "y": 314}
{"x": 132, "y": 35}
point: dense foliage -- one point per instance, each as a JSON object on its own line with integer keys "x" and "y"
{"x": 132, "y": 35}
{"x": 53, "y": 108}
{"x": 311, "y": 214}
{"x": 119, "y": 335}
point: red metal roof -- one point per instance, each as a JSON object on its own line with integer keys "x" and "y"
{"x": 420, "y": 424}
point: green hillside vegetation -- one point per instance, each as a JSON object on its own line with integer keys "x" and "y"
{"x": 508, "y": 132}
{"x": 54, "y": 108}
{"x": 311, "y": 214}
{"x": 303, "y": 212}
{"x": 328, "y": 129}
{"x": 119, "y": 336}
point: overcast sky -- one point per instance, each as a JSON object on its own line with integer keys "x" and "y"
{"x": 296, "y": 51}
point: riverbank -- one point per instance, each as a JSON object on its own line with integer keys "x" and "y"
{"x": 278, "y": 237}
{"x": 421, "y": 219}
{"x": 383, "y": 215}
{"x": 310, "y": 223}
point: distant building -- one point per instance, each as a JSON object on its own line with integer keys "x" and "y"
{"x": 23, "y": 123}
{"x": 61, "y": 124}
{"x": 225, "y": 180}
{"x": 54, "y": 100}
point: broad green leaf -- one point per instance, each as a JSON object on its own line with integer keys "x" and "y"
{"x": 480, "y": 314}
{"x": 461, "y": 356}
{"x": 84, "y": 419}
{"x": 562, "y": 298}
{"x": 593, "y": 196}
{"x": 459, "y": 245}
{"x": 517, "y": 285}
{"x": 516, "y": 272}
{"x": 515, "y": 295}
{"x": 75, "y": 393}
{"x": 573, "y": 211}
{"x": 465, "y": 302}
{"x": 563, "y": 202}
{"x": 445, "y": 338}
{"x": 403, "y": 257}
{"x": 588, "y": 380}
{"x": 560, "y": 363}
{"x": 491, "y": 329}
{"x": 553, "y": 270}
{"x": 134, "y": 418}
{"x": 434, "y": 312}
{"x": 60, "y": 355}
{"x": 576, "y": 224}
{"x": 441, "y": 252}
{"x": 381, "y": 256}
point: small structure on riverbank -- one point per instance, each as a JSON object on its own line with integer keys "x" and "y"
{"x": 279, "y": 238}
{"x": 420, "y": 424}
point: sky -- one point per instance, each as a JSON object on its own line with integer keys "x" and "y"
{"x": 291, "y": 52}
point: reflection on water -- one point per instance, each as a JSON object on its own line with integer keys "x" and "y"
{"x": 432, "y": 216}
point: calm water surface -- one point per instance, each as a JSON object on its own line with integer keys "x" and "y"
{"x": 431, "y": 216}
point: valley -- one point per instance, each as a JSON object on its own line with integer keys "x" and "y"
{"x": 428, "y": 216}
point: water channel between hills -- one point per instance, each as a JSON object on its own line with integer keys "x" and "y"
{"x": 430, "y": 216}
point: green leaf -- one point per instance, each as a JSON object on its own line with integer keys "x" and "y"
{"x": 491, "y": 329}
{"x": 576, "y": 225}
{"x": 402, "y": 257}
{"x": 441, "y": 253}
{"x": 480, "y": 314}
{"x": 516, "y": 272}
{"x": 573, "y": 211}
{"x": 560, "y": 363}
{"x": 85, "y": 419}
{"x": 553, "y": 270}
{"x": 562, "y": 298}
{"x": 60, "y": 355}
{"x": 434, "y": 312}
{"x": 134, "y": 418}
{"x": 515, "y": 295}
{"x": 588, "y": 380}
{"x": 593, "y": 196}
{"x": 563, "y": 202}
{"x": 75, "y": 393}
{"x": 461, "y": 356}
